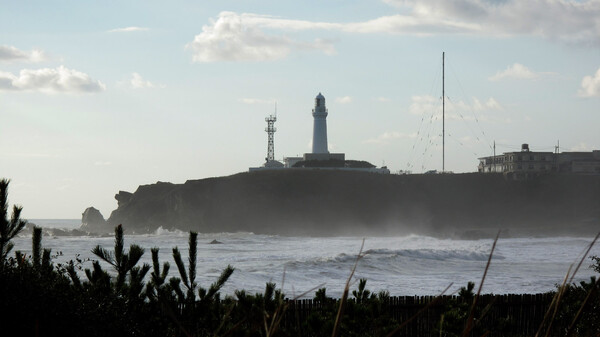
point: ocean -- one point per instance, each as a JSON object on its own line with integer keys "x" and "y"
{"x": 405, "y": 265}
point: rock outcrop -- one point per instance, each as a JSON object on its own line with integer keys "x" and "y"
{"x": 324, "y": 202}
{"x": 123, "y": 197}
{"x": 92, "y": 221}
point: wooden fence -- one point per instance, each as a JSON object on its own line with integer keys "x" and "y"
{"x": 504, "y": 315}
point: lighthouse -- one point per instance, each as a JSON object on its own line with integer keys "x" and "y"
{"x": 319, "y": 158}
{"x": 319, "y": 143}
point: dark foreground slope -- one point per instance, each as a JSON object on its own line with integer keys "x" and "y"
{"x": 321, "y": 202}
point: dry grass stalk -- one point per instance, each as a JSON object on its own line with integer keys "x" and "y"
{"x": 282, "y": 308}
{"x": 580, "y": 311}
{"x": 278, "y": 314}
{"x": 338, "y": 318}
{"x": 469, "y": 324}
{"x": 590, "y": 293}
{"x": 561, "y": 290}
{"x": 587, "y": 251}
{"x": 224, "y": 320}
{"x": 556, "y": 303}
{"x": 552, "y": 304}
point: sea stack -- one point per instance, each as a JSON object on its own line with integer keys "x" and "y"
{"x": 93, "y": 221}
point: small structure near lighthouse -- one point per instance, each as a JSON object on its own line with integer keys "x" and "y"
{"x": 270, "y": 129}
{"x": 270, "y": 162}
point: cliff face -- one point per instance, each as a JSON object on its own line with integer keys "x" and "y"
{"x": 322, "y": 202}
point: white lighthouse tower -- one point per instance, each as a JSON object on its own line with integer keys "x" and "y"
{"x": 319, "y": 143}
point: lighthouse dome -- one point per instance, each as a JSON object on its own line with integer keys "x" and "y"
{"x": 320, "y": 101}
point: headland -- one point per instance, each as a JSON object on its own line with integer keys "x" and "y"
{"x": 326, "y": 202}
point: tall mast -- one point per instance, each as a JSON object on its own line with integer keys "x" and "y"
{"x": 494, "y": 170}
{"x": 443, "y": 113}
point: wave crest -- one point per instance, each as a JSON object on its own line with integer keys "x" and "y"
{"x": 431, "y": 254}
{"x": 162, "y": 231}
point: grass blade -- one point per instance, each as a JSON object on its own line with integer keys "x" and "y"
{"x": 338, "y": 318}
{"x": 469, "y": 325}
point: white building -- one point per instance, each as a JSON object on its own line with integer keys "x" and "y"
{"x": 526, "y": 162}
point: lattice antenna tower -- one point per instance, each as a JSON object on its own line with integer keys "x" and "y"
{"x": 270, "y": 129}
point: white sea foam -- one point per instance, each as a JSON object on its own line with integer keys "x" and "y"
{"x": 406, "y": 265}
{"x": 161, "y": 231}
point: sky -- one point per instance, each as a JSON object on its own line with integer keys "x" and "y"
{"x": 102, "y": 96}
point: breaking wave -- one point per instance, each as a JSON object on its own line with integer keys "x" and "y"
{"x": 432, "y": 254}
{"x": 388, "y": 257}
{"x": 162, "y": 231}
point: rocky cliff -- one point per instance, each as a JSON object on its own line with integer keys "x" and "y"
{"x": 322, "y": 202}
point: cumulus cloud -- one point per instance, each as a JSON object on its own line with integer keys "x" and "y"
{"x": 517, "y": 71}
{"x": 382, "y": 99}
{"x": 12, "y": 54}
{"x": 490, "y": 104}
{"x": 590, "y": 85}
{"x": 568, "y": 21}
{"x": 520, "y": 72}
{"x": 253, "y": 37}
{"x": 242, "y": 37}
{"x": 430, "y": 105}
{"x": 344, "y": 100}
{"x": 423, "y": 104}
{"x": 410, "y": 25}
{"x": 48, "y": 80}
{"x": 128, "y": 29}
{"x": 137, "y": 82}
{"x": 387, "y": 137}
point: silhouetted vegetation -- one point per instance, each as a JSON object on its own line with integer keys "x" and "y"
{"x": 40, "y": 298}
{"x": 9, "y": 227}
